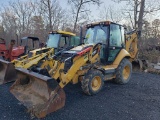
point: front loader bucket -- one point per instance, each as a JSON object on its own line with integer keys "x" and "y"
{"x": 40, "y": 94}
{"x": 7, "y": 72}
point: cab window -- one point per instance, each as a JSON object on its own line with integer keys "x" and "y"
{"x": 64, "y": 41}
{"x": 101, "y": 36}
{"x": 75, "y": 41}
{"x": 115, "y": 36}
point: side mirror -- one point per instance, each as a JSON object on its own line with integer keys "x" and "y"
{"x": 125, "y": 27}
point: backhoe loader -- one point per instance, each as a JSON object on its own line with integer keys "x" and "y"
{"x": 57, "y": 41}
{"x": 106, "y": 54}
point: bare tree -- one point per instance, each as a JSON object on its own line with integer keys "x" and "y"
{"x": 52, "y": 11}
{"x": 141, "y": 13}
{"x": 79, "y": 7}
{"x": 137, "y": 10}
{"x": 47, "y": 4}
{"x": 37, "y": 28}
{"x": 23, "y": 13}
{"x": 111, "y": 13}
{"x": 156, "y": 28}
{"x": 9, "y": 23}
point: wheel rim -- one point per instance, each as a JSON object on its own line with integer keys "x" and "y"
{"x": 126, "y": 72}
{"x": 96, "y": 83}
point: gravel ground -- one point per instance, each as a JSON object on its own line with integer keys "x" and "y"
{"x": 137, "y": 100}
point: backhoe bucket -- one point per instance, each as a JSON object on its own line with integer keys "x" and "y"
{"x": 137, "y": 65}
{"x": 40, "y": 94}
{"x": 140, "y": 65}
{"x": 7, "y": 72}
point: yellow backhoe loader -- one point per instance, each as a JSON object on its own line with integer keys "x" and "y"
{"x": 107, "y": 54}
{"x": 57, "y": 40}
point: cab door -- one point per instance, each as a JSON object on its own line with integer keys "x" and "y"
{"x": 64, "y": 41}
{"x": 116, "y": 41}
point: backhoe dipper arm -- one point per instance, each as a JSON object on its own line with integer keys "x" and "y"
{"x": 131, "y": 44}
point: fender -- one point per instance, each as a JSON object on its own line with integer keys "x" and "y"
{"x": 122, "y": 54}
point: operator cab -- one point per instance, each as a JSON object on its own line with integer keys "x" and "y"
{"x": 110, "y": 35}
{"x": 30, "y": 43}
{"x": 59, "y": 40}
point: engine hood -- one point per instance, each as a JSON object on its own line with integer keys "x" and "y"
{"x": 40, "y": 49}
{"x": 79, "y": 48}
{"x": 16, "y": 51}
{"x": 18, "y": 48}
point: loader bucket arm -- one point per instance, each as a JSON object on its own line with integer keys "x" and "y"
{"x": 29, "y": 62}
{"x": 79, "y": 59}
{"x": 51, "y": 64}
{"x": 7, "y": 69}
{"x": 40, "y": 94}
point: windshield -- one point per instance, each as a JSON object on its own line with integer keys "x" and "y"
{"x": 24, "y": 42}
{"x": 30, "y": 43}
{"x": 96, "y": 34}
{"x": 36, "y": 44}
{"x": 53, "y": 40}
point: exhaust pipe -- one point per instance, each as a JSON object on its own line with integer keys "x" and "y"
{"x": 40, "y": 94}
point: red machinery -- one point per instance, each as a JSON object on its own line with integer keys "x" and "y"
{"x": 27, "y": 43}
{"x": 3, "y": 48}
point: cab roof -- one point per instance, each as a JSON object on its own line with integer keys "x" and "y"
{"x": 33, "y": 38}
{"x": 101, "y": 22}
{"x": 63, "y": 32}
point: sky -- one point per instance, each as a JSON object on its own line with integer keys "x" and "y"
{"x": 95, "y": 11}
{"x": 63, "y": 3}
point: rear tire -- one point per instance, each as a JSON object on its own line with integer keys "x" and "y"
{"x": 92, "y": 82}
{"x": 123, "y": 72}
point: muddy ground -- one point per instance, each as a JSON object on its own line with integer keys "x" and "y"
{"x": 137, "y": 100}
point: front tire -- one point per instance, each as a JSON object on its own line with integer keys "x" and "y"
{"x": 92, "y": 82}
{"x": 123, "y": 72}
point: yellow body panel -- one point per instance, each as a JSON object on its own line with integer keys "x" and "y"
{"x": 39, "y": 49}
{"x": 28, "y": 62}
{"x": 123, "y": 53}
{"x": 131, "y": 45}
{"x": 63, "y": 32}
